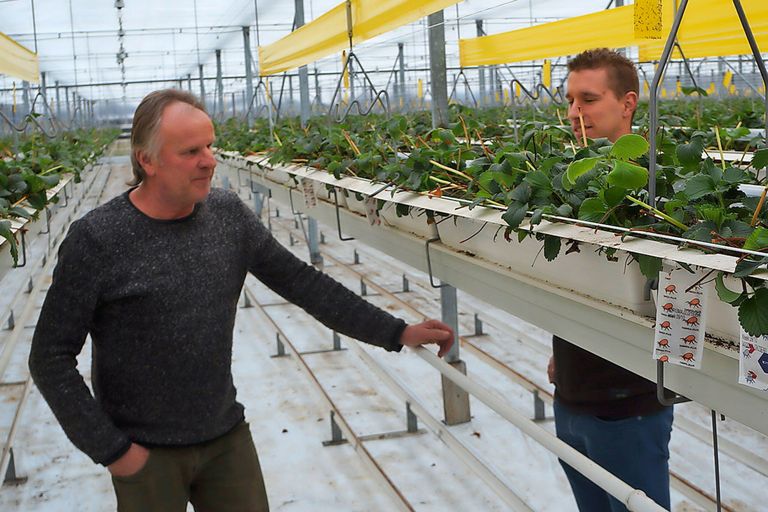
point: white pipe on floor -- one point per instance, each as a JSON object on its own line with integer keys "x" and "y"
{"x": 635, "y": 500}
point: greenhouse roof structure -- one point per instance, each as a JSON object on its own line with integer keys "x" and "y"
{"x": 78, "y": 41}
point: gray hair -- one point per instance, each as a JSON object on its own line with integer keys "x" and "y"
{"x": 146, "y": 123}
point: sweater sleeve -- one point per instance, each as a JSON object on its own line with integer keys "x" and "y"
{"x": 315, "y": 292}
{"x": 61, "y": 331}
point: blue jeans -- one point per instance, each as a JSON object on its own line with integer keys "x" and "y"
{"x": 635, "y": 449}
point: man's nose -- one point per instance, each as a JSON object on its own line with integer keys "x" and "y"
{"x": 573, "y": 110}
{"x": 209, "y": 159}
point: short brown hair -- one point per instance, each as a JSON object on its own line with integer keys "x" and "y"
{"x": 146, "y": 121}
{"x": 622, "y": 73}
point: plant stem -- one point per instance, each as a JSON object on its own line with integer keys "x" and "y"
{"x": 720, "y": 147}
{"x": 583, "y": 130}
{"x": 438, "y": 180}
{"x": 451, "y": 170}
{"x": 51, "y": 170}
{"x": 658, "y": 213}
{"x": 759, "y": 207}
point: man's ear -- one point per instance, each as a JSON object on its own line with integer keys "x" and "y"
{"x": 630, "y": 103}
{"x": 147, "y": 162}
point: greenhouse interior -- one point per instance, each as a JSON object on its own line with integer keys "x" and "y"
{"x": 478, "y": 255}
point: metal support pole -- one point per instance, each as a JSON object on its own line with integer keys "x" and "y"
{"x": 481, "y": 69}
{"x": 401, "y": 72}
{"x": 290, "y": 93}
{"x": 539, "y": 413}
{"x": 202, "y": 84}
{"x": 248, "y": 74}
{"x": 219, "y": 108}
{"x": 716, "y": 453}
{"x": 336, "y": 341}
{"x": 303, "y": 73}
{"x": 351, "y": 72}
{"x": 756, "y": 54}
{"x": 317, "y": 88}
{"x": 455, "y": 399}
{"x": 66, "y": 99}
{"x": 439, "y": 84}
{"x": 234, "y": 103}
{"x": 653, "y": 107}
{"x": 314, "y": 242}
{"x": 58, "y": 100}
{"x": 189, "y": 82}
{"x": 44, "y": 88}
{"x": 25, "y": 97}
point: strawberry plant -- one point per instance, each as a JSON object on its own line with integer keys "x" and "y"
{"x": 37, "y": 165}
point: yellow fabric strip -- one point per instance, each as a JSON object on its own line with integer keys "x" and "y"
{"x": 17, "y": 61}
{"x": 327, "y": 34}
{"x": 611, "y": 28}
{"x": 711, "y": 28}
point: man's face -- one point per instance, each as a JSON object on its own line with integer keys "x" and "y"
{"x": 183, "y": 167}
{"x": 603, "y": 113}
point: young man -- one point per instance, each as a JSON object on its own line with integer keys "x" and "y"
{"x": 154, "y": 277}
{"x": 606, "y": 412}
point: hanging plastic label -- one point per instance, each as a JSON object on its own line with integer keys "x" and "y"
{"x": 546, "y": 74}
{"x": 753, "y": 361}
{"x": 680, "y": 313}
{"x": 372, "y": 211}
{"x": 310, "y": 196}
{"x": 727, "y": 79}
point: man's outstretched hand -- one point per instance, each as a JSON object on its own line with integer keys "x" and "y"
{"x": 429, "y": 331}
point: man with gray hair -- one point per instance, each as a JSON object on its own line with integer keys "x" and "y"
{"x": 154, "y": 277}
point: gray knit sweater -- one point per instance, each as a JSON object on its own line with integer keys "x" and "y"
{"x": 159, "y": 300}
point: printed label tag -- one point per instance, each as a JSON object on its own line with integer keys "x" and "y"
{"x": 310, "y": 196}
{"x": 680, "y": 312}
{"x": 753, "y": 361}
{"x": 372, "y": 211}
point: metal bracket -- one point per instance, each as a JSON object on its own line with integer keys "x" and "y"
{"x": 539, "y": 413}
{"x": 23, "y": 249}
{"x": 11, "y": 478}
{"x": 478, "y": 325}
{"x": 429, "y": 264}
{"x": 280, "y": 347}
{"x": 66, "y": 197}
{"x": 290, "y": 199}
{"x": 338, "y": 217}
{"x": 47, "y": 222}
{"x": 661, "y": 393}
{"x": 336, "y": 436}
{"x": 239, "y": 181}
{"x": 466, "y": 83}
{"x": 336, "y": 347}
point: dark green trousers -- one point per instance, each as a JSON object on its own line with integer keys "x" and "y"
{"x": 222, "y": 475}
